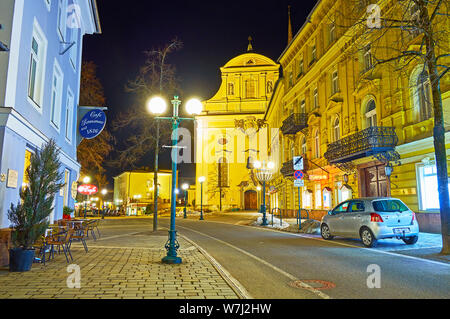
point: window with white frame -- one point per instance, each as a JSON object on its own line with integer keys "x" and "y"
{"x": 313, "y": 53}
{"x": 74, "y": 49}
{"x": 316, "y": 98}
{"x": 62, "y": 19}
{"x": 302, "y": 107}
{"x": 56, "y": 96}
{"x": 317, "y": 144}
{"x": 291, "y": 79}
{"x": 424, "y": 96}
{"x": 307, "y": 199}
{"x": 304, "y": 146}
{"x": 367, "y": 58}
{"x": 336, "y": 129}
{"x": 335, "y": 82}
{"x": 332, "y": 32}
{"x": 318, "y": 196}
{"x": 37, "y": 66}
{"x": 428, "y": 187}
{"x": 69, "y": 115}
{"x": 300, "y": 66}
{"x": 371, "y": 114}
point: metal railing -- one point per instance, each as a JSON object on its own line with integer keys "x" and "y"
{"x": 294, "y": 123}
{"x": 365, "y": 143}
{"x": 287, "y": 170}
{"x": 278, "y": 215}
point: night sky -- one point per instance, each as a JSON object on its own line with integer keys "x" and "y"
{"x": 213, "y": 32}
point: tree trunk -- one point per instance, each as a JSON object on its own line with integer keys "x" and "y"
{"x": 439, "y": 130}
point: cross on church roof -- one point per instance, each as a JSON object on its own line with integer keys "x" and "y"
{"x": 250, "y": 47}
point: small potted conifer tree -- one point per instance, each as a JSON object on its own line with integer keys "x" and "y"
{"x": 29, "y": 218}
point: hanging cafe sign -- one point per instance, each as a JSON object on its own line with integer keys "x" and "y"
{"x": 87, "y": 189}
{"x": 92, "y": 124}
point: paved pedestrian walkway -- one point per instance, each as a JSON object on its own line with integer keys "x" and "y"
{"x": 125, "y": 263}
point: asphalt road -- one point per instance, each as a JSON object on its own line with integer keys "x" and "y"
{"x": 272, "y": 264}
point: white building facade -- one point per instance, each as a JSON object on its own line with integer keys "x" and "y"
{"x": 39, "y": 89}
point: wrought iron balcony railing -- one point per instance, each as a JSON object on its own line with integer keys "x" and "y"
{"x": 368, "y": 142}
{"x": 287, "y": 170}
{"x": 294, "y": 123}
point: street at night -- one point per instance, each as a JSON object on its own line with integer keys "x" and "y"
{"x": 260, "y": 157}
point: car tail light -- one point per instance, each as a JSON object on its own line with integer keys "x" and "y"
{"x": 374, "y": 217}
{"x": 413, "y": 218}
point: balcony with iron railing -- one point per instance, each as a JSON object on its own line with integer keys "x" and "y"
{"x": 294, "y": 123}
{"x": 368, "y": 142}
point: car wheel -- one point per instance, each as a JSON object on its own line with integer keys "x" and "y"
{"x": 410, "y": 240}
{"x": 325, "y": 232}
{"x": 368, "y": 237}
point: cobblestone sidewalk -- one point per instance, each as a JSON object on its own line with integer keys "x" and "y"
{"x": 126, "y": 266}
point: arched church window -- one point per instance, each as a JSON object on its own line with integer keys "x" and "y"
{"x": 223, "y": 172}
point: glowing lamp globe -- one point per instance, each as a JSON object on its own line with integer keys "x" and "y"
{"x": 270, "y": 165}
{"x": 185, "y": 186}
{"x": 202, "y": 179}
{"x": 194, "y": 107}
{"x": 157, "y": 105}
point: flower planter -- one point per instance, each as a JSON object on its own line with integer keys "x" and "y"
{"x": 20, "y": 260}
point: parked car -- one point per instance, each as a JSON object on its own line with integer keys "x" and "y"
{"x": 371, "y": 219}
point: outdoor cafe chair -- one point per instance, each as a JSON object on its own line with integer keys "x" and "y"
{"x": 62, "y": 240}
{"x": 41, "y": 247}
{"x": 80, "y": 235}
{"x": 91, "y": 226}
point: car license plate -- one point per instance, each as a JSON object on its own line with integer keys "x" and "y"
{"x": 401, "y": 230}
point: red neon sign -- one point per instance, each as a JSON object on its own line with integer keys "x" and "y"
{"x": 88, "y": 189}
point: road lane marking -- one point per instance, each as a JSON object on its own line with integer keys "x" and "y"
{"x": 232, "y": 282}
{"x": 288, "y": 275}
{"x": 342, "y": 244}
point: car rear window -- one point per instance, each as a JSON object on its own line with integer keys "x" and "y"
{"x": 389, "y": 205}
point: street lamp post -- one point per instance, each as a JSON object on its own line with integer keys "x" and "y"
{"x": 264, "y": 174}
{"x": 158, "y": 105}
{"x": 185, "y": 187}
{"x": 259, "y": 194}
{"x": 86, "y": 180}
{"x": 104, "y": 192}
{"x": 201, "y": 180}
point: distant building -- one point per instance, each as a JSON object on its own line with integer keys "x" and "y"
{"x": 133, "y": 191}
{"x": 229, "y": 120}
{"x": 39, "y": 89}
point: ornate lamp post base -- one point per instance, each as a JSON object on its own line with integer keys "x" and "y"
{"x": 172, "y": 246}
{"x": 171, "y": 260}
{"x": 264, "y": 220}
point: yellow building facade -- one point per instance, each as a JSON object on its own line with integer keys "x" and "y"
{"x": 226, "y": 133}
{"x": 133, "y": 191}
{"x": 350, "y": 120}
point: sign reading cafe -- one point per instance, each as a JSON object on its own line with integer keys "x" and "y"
{"x": 92, "y": 124}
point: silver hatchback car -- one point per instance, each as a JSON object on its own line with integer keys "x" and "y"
{"x": 371, "y": 219}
